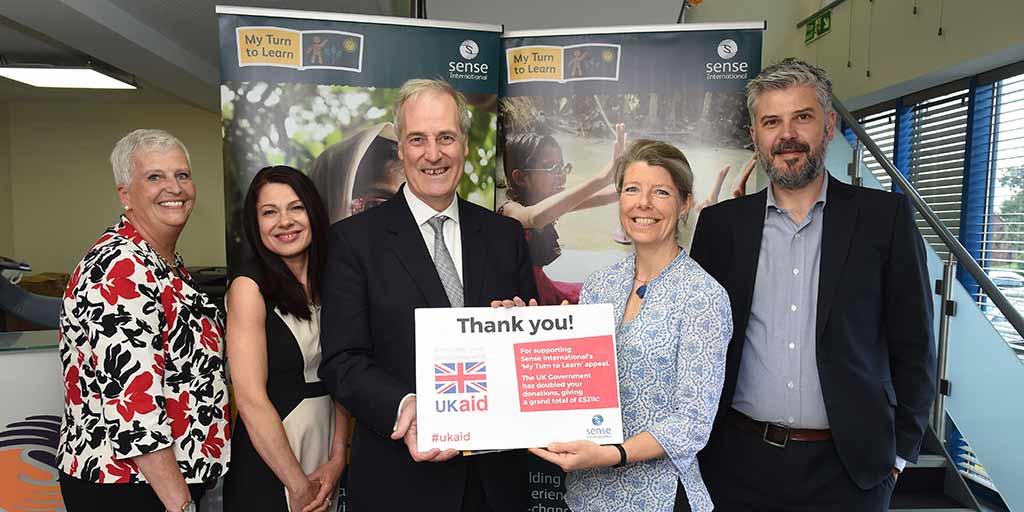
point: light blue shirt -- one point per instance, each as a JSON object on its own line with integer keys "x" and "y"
{"x": 671, "y": 365}
{"x": 778, "y": 378}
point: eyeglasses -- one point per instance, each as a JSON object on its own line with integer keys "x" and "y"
{"x": 559, "y": 168}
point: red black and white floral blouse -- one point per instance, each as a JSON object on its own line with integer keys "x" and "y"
{"x": 143, "y": 358}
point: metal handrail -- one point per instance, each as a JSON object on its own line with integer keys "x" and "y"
{"x": 963, "y": 257}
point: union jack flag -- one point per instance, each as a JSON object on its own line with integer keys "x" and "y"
{"x": 462, "y": 377}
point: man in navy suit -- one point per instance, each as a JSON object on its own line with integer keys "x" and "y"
{"x": 425, "y": 247}
{"x": 830, "y": 374}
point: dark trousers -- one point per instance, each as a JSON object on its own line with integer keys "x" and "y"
{"x": 474, "y": 499}
{"x": 744, "y": 473}
{"x": 82, "y": 496}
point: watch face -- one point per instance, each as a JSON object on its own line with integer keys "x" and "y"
{"x": 189, "y": 507}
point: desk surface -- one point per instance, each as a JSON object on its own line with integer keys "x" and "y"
{"x": 28, "y": 340}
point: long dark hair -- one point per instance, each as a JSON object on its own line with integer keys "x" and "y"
{"x": 279, "y": 286}
{"x": 521, "y": 151}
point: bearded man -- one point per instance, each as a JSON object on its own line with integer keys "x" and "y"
{"x": 830, "y": 374}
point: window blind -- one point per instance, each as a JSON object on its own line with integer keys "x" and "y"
{"x": 936, "y": 155}
{"x": 881, "y": 128}
{"x": 1002, "y": 253}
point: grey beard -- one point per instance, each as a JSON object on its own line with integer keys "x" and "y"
{"x": 794, "y": 180}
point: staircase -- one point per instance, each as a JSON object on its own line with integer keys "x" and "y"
{"x": 980, "y": 374}
{"x": 932, "y": 484}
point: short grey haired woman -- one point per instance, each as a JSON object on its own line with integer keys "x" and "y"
{"x": 145, "y": 423}
{"x": 674, "y": 326}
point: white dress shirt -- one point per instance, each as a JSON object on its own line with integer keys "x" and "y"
{"x": 452, "y": 234}
{"x": 422, "y": 212}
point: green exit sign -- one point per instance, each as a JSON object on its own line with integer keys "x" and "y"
{"x": 817, "y": 27}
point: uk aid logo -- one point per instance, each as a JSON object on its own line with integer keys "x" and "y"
{"x": 460, "y": 378}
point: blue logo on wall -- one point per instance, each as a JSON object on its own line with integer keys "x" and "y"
{"x": 597, "y": 420}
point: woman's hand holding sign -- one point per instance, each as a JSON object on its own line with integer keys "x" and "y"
{"x": 578, "y": 455}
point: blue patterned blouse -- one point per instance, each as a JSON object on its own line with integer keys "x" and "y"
{"x": 671, "y": 360}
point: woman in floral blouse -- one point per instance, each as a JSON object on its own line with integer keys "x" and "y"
{"x": 674, "y": 328}
{"x": 145, "y": 423}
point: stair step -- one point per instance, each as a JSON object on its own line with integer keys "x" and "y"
{"x": 928, "y": 461}
{"x": 958, "y": 509}
{"x": 932, "y": 501}
{"x": 933, "y": 510}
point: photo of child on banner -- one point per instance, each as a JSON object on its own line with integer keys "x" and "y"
{"x": 342, "y": 137}
{"x": 551, "y": 167}
{"x": 569, "y": 104}
{"x": 316, "y": 92}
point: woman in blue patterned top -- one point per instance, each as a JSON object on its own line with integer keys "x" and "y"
{"x": 671, "y": 341}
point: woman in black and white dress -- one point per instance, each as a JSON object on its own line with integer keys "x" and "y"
{"x": 290, "y": 438}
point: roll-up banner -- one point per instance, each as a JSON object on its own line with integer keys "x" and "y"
{"x": 314, "y": 91}
{"x": 567, "y": 97}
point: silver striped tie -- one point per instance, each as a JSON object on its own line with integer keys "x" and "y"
{"x": 445, "y": 266}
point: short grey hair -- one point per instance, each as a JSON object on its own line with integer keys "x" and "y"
{"x": 790, "y": 72}
{"x": 413, "y": 88}
{"x": 141, "y": 140}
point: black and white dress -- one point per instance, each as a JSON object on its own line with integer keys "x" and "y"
{"x": 302, "y": 401}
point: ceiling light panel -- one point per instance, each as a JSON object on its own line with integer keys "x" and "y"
{"x": 63, "y": 78}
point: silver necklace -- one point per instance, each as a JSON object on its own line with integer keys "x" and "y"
{"x": 172, "y": 266}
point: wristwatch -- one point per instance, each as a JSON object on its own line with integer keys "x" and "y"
{"x": 189, "y": 506}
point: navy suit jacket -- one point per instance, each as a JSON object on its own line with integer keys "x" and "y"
{"x": 378, "y": 272}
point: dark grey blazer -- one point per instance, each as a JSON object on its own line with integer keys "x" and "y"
{"x": 378, "y": 272}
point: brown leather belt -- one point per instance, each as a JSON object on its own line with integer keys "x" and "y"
{"x": 775, "y": 434}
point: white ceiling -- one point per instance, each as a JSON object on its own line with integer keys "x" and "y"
{"x": 170, "y": 46}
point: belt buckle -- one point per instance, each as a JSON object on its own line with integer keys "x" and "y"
{"x": 769, "y": 427}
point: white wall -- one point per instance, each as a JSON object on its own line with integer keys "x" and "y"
{"x": 537, "y": 14}
{"x": 61, "y": 186}
{"x": 906, "y": 53}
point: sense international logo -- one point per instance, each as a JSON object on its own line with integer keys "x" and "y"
{"x": 463, "y": 70}
{"x": 469, "y": 49}
{"x": 598, "y": 432}
{"x": 727, "y": 49}
{"x": 724, "y": 69}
